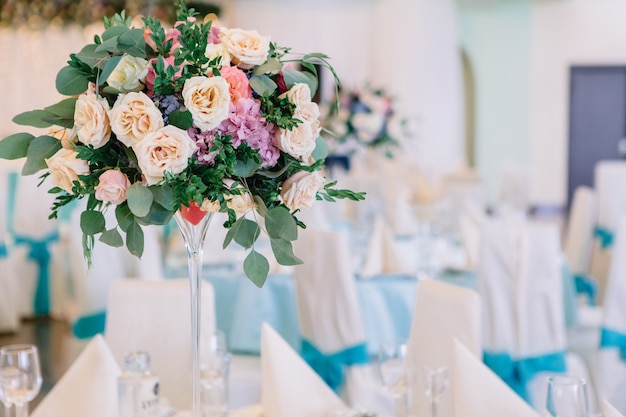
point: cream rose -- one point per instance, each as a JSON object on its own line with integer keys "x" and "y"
{"x": 208, "y": 100}
{"x": 65, "y": 168}
{"x": 129, "y": 74}
{"x": 112, "y": 186}
{"x": 91, "y": 120}
{"x": 298, "y": 142}
{"x": 307, "y": 112}
{"x": 210, "y": 206}
{"x": 67, "y": 137}
{"x": 241, "y": 203}
{"x": 300, "y": 190}
{"x": 166, "y": 150}
{"x": 298, "y": 94}
{"x": 213, "y": 50}
{"x": 246, "y": 47}
{"x": 133, "y": 116}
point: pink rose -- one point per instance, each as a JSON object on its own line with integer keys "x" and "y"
{"x": 112, "y": 187}
{"x": 214, "y": 36}
{"x": 169, "y": 62}
{"x": 238, "y": 83}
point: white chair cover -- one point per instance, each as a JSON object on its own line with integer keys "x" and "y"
{"x": 154, "y": 316}
{"x": 514, "y": 195}
{"x": 472, "y": 220}
{"x": 443, "y": 313}
{"x": 578, "y": 240}
{"x": 609, "y": 410}
{"x": 9, "y": 317}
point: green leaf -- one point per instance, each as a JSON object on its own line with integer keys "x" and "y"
{"x": 15, "y": 146}
{"x": 134, "y": 239}
{"x": 256, "y": 268}
{"x": 158, "y": 215}
{"x": 139, "y": 199}
{"x": 110, "y": 45}
{"x": 71, "y": 81}
{"x": 232, "y": 231}
{"x": 247, "y": 233}
{"x": 39, "y": 149}
{"x": 35, "y": 118}
{"x": 113, "y": 31}
{"x": 246, "y": 169}
{"x": 283, "y": 252}
{"x": 321, "y": 149}
{"x": 124, "y": 217}
{"x": 262, "y": 84}
{"x": 281, "y": 224}
{"x": 261, "y": 208}
{"x": 89, "y": 56}
{"x": 91, "y": 222}
{"x": 132, "y": 42}
{"x": 163, "y": 195}
{"x": 108, "y": 69}
{"x": 112, "y": 238}
{"x": 181, "y": 119}
{"x": 293, "y": 77}
{"x": 64, "y": 108}
{"x": 272, "y": 65}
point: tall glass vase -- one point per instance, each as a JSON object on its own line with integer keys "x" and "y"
{"x": 193, "y": 224}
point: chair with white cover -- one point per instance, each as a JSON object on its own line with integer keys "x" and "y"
{"x": 443, "y": 313}
{"x": 609, "y": 364}
{"x": 331, "y": 325}
{"x": 9, "y": 317}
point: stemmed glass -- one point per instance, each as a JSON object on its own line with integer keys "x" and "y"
{"x": 435, "y": 384}
{"x": 396, "y": 374}
{"x": 5, "y": 403}
{"x": 567, "y": 396}
{"x": 20, "y": 376}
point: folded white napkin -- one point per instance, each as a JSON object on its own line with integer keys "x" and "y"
{"x": 609, "y": 410}
{"x": 382, "y": 255}
{"x": 478, "y": 392}
{"x": 289, "y": 386}
{"x": 88, "y": 388}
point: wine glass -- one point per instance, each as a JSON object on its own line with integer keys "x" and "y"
{"x": 5, "y": 403}
{"x": 567, "y": 396}
{"x": 20, "y": 376}
{"x": 435, "y": 379}
{"x": 396, "y": 374}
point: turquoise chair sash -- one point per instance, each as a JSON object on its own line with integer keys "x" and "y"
{"x": 3, "y": 251}
{"x": 90, "y": 325}
{"x": 332, "y": 367}
{"x": 517, "y": 372}
{"x": 605, "y": 236}
{"x": 586, "y": 285}
{"x": 612, "y": 338}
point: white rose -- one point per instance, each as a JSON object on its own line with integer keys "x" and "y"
{"x": 65, "y": 168}
{"x": 368, "y": 125}
{"x": 67, "y": 137}
{"x": 307, "y": 112}
{"x": 298, "y": 94}
{"x": 300, "y": 190}
{"x": 129, "y": 74}
{"x": 133, "y": 116}
{"x": 246, "y": 47}
{"x": 241, "y": 203}
{"x": 210, "y": 206}
{"x": 208, "y": 100}
{"x": 91, "y": 120}
{"x": 298, "y": 142}
{"x": 213, "y": 50}
{"x": 166, "y": 150}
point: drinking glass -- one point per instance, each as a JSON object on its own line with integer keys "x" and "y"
{"x": 214, "y": 371}
{"x": 20, "y": 376}
{"x": 396, "y": 373}
{"x": 5, "y": 404}
{"x": 567, "y": 397}
{"x": 435, "y": 379}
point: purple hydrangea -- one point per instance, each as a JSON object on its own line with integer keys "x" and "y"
{"x": 167, "y": 104}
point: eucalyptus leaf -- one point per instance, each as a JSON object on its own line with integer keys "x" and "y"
{"x": 246, "y": 169}
{"x": 91, "y": 222}
{"x": 279, "y": 223}
{"x": 134, "y": 239}
{"x": 114, "y": 31}
{"x": 132, "y": 42}
{"x": 232, "y": 231}
{"x": 35, "y": 118}
{"x": 15, "y": 146}
{"x": 89, "y": 56}
{"x": 67, "y": 122}
{"x": 262, "y": 84}
{"x": 70, "y": 81}
{"x": 64, "y": 108}
{"x": 283, "y": 252}
{"x": 158, "y": 215}
{"x": 124, "y": 217}
{"x": 139, "y": 199}
{"x": 164, "y": 195}
{"x": 272, "y": 65}
{"x": 321, "y": 149}
{"x": 40, "y": 148}
{"x": 110, "y": 45}
{"x": 108, "y": 69}
{"x": 256, "y": 268}
{"x": 261, "y": 208}
{"x": 247, "y": 233}
{"x": 112, "y": 238}
{"x": 294, "y": 77}
{"x": 181, "y": 119}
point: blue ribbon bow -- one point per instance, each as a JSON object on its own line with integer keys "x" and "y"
{"x": 517, "y": 372}
{"x": 90, "y": 325}
{"x": 605, "y": 236}
{"x": 612, "y": 338}
{"x": 331, "y": 367}
{"x": 4, "y": 252}
{"x": 586, "y": 285}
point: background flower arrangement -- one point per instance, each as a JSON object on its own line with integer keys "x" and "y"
{"x": 363, "y": 118}
{"x": 193, "y": 118}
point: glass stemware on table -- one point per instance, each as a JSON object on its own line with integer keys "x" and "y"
{"x": 397, "y": 374}
{"x": 567, "y": 396}
{"x": 435, "y": 380}
{"x": 20, "y": 376}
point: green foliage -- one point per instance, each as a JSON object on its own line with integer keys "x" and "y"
{"x": 15, "y": 146}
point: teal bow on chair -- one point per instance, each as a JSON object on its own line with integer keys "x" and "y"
{"x": 605, "y": 236}
{"x": 4, "y": 252}
{"x": 586, "y": 285}
{"x": 90, "y": 325}
{"x": 332, "y": 367}
{"x": 518, "y": 372}
{"x": 613, "y": 338}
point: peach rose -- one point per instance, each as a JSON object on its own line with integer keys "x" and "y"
{"x": 112, "y": 187}
{"x": 208, "y": 100}
{"x": 133, "y": 116}
{"x": 300, "y": 190}
{"x": 67, "y": 137}
{"x": 129, "y": 74}
{"x": 91, "y": 120}
{"x": 210, "y": 206}
{"x": 298, "y": 94}
{"x": 246, "y": 47}
{"x": 298, "y": 142}
{"x": 239, "y": 86}
{"x": 65, "y": 168}
{"x": 166, "y": 150}
{"x": 213, "y": 50}
{"x": 241, "y": 203}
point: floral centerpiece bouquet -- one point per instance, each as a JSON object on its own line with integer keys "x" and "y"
{"x": 362, "y": 118}
{"x": 192, "y": 119}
